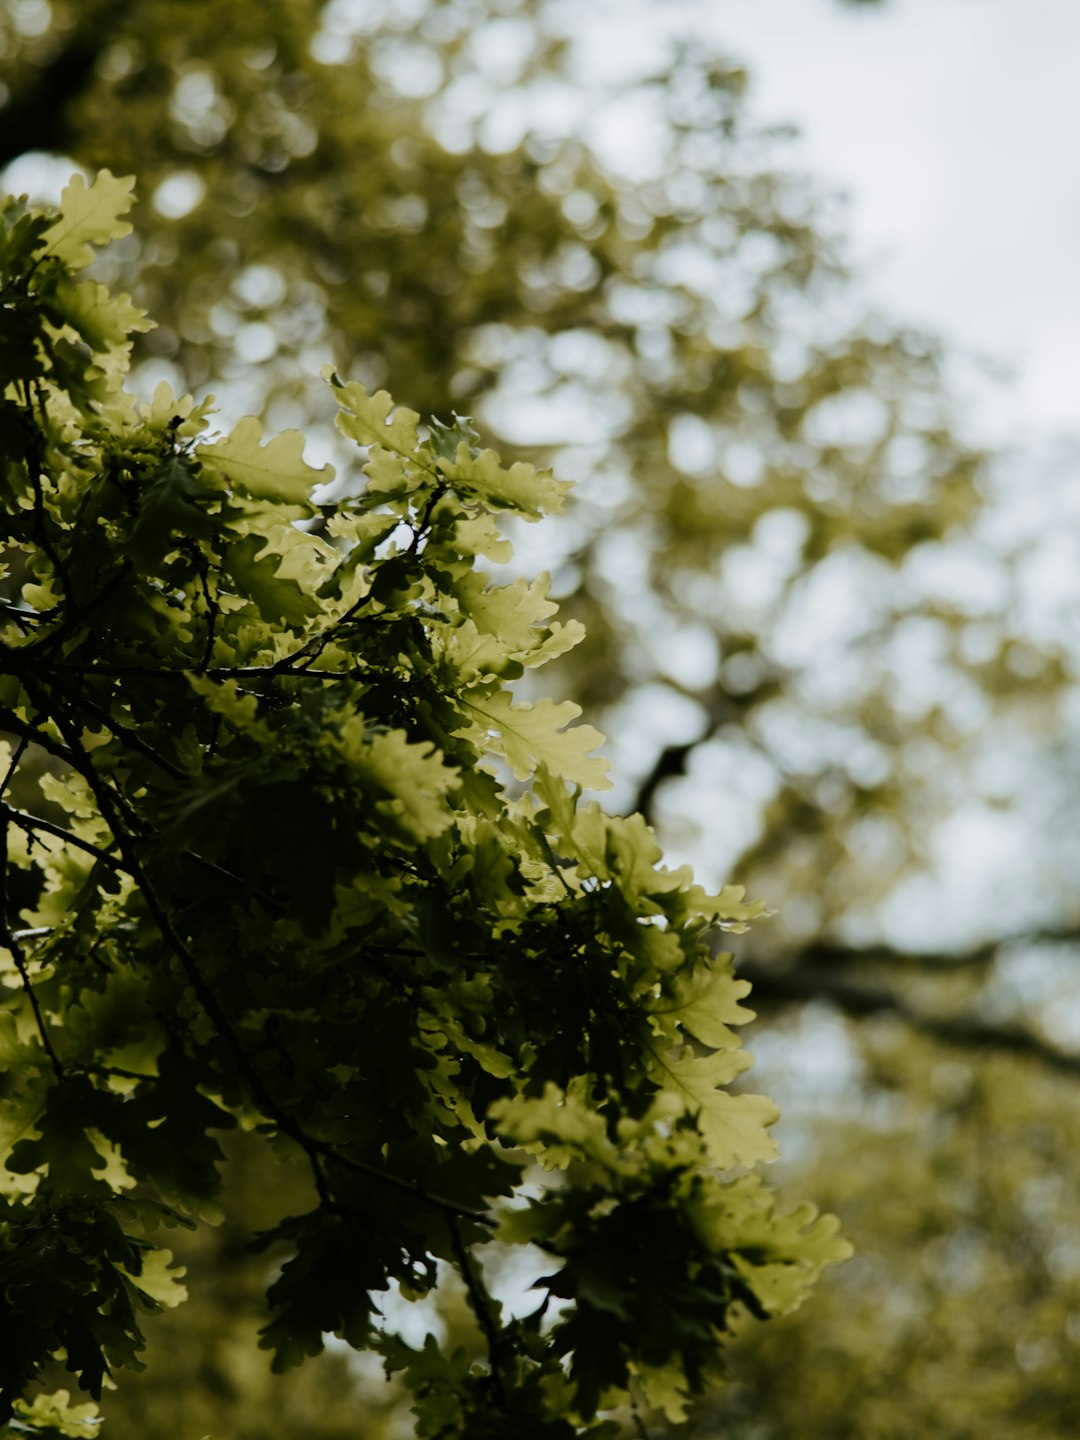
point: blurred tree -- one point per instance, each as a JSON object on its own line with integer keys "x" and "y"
{"x": 753, "y": 451}
{"x": 961, "y": 1313}
{"x": 803, "y": 588}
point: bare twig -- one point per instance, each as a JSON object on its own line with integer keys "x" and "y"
{"x": 32, "y": 823}
{"x": 17, "y": 726}
{"x": 213, "y": 610}
{"x": 480, "y": 1303}
{"x": 130, "y": 737}
{"x": 8, "y": 938}
{"x": 20, "y": 751}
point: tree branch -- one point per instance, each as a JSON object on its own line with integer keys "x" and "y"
{"x": 128, "y": 735}
{"x": 26, "y": 731}
{"x": 480, "y": 1302}
{"x": 30, "y": 823}
{"x": 802, "y": 984}
{"x": 10, "y": 942}
{"x": 673, "y": 760}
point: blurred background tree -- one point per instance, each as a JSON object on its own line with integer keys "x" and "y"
{"x": 815, "y": 632}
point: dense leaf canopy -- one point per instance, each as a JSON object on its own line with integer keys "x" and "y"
{"x": 299, "y": 862}
{"x": 818, "y": 621}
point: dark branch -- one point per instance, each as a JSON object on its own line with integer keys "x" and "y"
{"x": 17, "y": 726}
{"x": 31, "y": 823}
{"x": 673, "y": 760}
{"x": 668, "y": 765}
{"x": 801, "y": 984}
{"x": 129, "y": 737}
{"x": 480, "y": 1302}
{"x": 9, "y": 938}
{"x": 216, "y": 672}
{"x": 825, "y": 954}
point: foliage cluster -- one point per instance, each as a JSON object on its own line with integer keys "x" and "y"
{"x": 818, "y": 622}
{"x": 297, "y": 861}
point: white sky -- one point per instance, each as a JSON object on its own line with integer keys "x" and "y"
{"x": 953, "y": 126}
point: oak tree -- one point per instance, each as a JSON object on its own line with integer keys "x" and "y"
{"x": 296, "y": 860}
{"x": 816, "y": 617}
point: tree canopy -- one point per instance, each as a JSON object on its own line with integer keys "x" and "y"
{"x": 319, "y": 875}
{"x": 817, "y": 629}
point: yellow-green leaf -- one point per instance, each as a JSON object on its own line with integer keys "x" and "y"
{"x": 274, "y": 471}
{"x": 530, "y": 492}
{"x": 704, "y": 1001}
{"x": 734, "y": 1126}
{"x": 376, "y": 420}
{"x": 528, "y": 735}
{"x": 89, "y": 215}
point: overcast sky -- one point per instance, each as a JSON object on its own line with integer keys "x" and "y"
{"x": 954, "y": 126}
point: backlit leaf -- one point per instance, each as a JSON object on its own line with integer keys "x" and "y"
{"x": 274, "y": 471}
{"x": 89, "y": 215}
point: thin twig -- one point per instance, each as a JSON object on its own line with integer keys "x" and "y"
{"x": 23, "y": 617}
{"x": 234, "y": 879}
{"x": 213, "y": 610}
{"x": 450, "y": 1208}
{"x": 126, "y": 733}
{"x": 39, "y": 1019}
{"x": 71, "y": 729}
{"x": 310, "y": 651}
{"x": 38, "y": 648}
{"x": 31, "y": 823}
{"x": 479, "y": 1301}
{"x": 11, "y": 944}
{"x": 215, "y": 672}
{"x": 14, "y": 723}
{"x": 20, "y": 751}
{"x": 636, "y": 1417}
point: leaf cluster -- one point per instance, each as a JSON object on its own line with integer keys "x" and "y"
{"x": 294, "y": 857}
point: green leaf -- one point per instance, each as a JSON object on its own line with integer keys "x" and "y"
{"x": 54, "y": 1415}
{"x": 159, "y": 1280}
{"x": 176, "y": 504}
{"x": 256, "y": 568}
{"x": 101, "y": 319}
{"x": 274, "y": 471}
{"x": 521, "y": 488}
{"x": 89, "y": 215}
{"x": 734, "y": 1126}
{"x": 704, "y": 1001}
{"x": 376, "y": 420}
{"x": 561, "y": 1125}
{"x": 21, "y": 230}
{"x": 530, "y": 735}
{"x": 63, "y": 1149}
